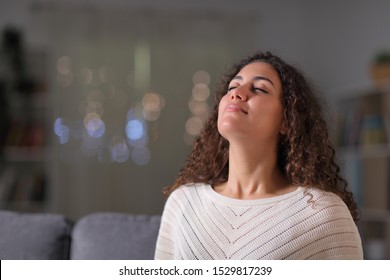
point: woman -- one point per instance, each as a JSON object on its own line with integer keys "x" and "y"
{"x": 261, "y": 181}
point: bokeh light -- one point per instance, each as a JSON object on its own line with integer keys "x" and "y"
{"x": 141, "y": 156}
{"x": 86, "y": 76}
{"x": 95, "y": 95}
{"x": 64, "y": 65}
{"x": 135, "y": 129}
{"x": 194, "y": 126}
{"x": 105, "y": 154}
{"x": 94, "y": 107}
{"x": 201, "y": 76}
{"x": 201, "y": 92}
{"x": 90, "y": 146}
{"x": 198, "y": 105}
{"x": 61, "y": 130}
{"x": 120, "y": 152}
{"x": 152, "y": 104}
{"x": 94, "y": 125}
{"x": 65, "y": 80}
{"x": 102, "y": 96}
{"x": 198, "y": 108}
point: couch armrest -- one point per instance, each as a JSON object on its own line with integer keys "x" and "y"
{"x": 26, "y": 236}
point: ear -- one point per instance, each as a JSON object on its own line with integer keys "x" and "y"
{"x": 283, "y": 128}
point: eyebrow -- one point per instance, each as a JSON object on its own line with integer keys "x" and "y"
{"x": 256, "y": 78}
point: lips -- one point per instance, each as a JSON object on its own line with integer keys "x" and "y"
{"x": 235, "y": 108}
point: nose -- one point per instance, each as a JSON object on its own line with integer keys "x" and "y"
{"x": 239, "y": 93}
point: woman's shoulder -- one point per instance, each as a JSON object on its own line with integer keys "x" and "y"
{"x": 322, "y": 196}
{"x": 326, "y": 203}
{"x": 186, "y": 196}
{"x": 188, "y": 190}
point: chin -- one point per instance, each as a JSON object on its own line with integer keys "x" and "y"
{"x": 229, "y": 130}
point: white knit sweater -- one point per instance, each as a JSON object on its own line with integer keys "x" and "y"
{"x": 199, "y": 223}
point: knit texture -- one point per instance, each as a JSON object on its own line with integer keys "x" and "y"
{"x": 199, "y": 223}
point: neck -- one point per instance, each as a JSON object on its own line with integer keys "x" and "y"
{"x": 253, "y": 173}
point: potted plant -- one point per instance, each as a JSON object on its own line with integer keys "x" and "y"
{"x": 381, "y": 67}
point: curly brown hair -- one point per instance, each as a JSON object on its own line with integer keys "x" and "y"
{"x": 306, "y": 156}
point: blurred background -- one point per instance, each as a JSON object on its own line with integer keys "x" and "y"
{"x": 101, "y": 100}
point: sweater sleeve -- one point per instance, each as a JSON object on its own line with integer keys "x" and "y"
{"x": 165, "y": 246}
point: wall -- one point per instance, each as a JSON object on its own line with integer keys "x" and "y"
{"x": 333, "y": 42}
{"x": 342, "y": 38}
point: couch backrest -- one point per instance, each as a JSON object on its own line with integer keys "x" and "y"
{"x": 97, "y": 236}
{"x": 115, "y": 236}
{"x": 34, "y": 236}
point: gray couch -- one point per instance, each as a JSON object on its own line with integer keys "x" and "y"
{"x": 98, "y": 236}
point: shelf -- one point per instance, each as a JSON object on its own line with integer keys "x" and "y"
{"x": 25, "y": 206}
{"x": 363, "y": 145}
{"x": 26, "y": 154}
{"x": 38, "y": 101}
{"x": 375, "y": 215}
{"x": 358, "y": 90}
{"x": 26, "y": 110}
{"x": 367, "y": 151}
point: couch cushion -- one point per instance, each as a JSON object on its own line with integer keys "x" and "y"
{"x": 33, "y": 236}
{"x": 115, "y": 236}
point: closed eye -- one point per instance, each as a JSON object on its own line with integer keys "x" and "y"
{"x": 231, "y": 88}
{"x": 259, "y": 89}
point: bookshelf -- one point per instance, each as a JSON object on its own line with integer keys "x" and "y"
{"x": 24, "y": 122}
{"x": 363, "y": 142}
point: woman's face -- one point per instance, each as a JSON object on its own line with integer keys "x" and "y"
{"x": 252, "y": 107}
